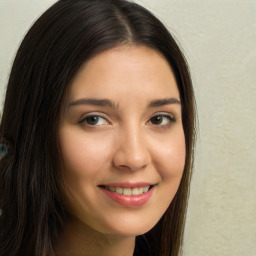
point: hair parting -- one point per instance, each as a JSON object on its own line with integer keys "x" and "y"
{"x": 53, "y": 51}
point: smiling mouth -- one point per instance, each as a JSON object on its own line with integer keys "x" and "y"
{"x": 128, "y": 191}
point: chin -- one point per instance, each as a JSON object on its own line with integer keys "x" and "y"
{"x": 129, "y": 228}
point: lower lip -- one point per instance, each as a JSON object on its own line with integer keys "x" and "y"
{"x": 129, "y": 200}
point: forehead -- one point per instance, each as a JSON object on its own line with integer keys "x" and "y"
{"x": 127, "y": 70}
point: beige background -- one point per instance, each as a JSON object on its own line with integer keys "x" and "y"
{"x": 218, "y": 38}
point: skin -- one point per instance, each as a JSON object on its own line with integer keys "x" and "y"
{"x": 123, "y": 142}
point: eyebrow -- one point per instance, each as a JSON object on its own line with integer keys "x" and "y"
{"x": 94, "y": 102}
{"x": 112, "y": 104}
{"x": 163, "y": 102}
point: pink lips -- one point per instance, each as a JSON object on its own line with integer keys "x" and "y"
{"x": 131, "y": 200}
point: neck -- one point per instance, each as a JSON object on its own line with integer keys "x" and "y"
{"x": 77, "y": 239}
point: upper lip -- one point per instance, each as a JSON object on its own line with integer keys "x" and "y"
{"x": 128, "y": 184}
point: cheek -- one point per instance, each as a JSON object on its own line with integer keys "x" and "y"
{"x": 170, "y": 156}
{"x": 84, "y": 157}
{"x": 169, "y": 160}
{"x": 83, "y": 154}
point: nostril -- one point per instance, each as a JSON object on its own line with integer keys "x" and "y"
{"x": 128, "y": 168}
{"x": 131, "y": 156}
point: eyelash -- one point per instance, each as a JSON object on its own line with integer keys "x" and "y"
{"x": 97, "y": 116}
{"x": 170, "y": 118}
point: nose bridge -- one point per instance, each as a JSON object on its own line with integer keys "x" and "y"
{"x": 132, "y": 152}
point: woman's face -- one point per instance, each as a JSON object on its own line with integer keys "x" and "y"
{"x": 122, "y": 141}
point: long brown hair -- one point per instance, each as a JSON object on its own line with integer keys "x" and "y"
{"x": 52, "y": 52}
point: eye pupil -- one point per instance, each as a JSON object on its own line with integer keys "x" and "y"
{"x": 157, "y": 120}
{"x": 92, "y": 120}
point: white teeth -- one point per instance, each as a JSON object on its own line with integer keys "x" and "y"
{"x": 140, "y": 191}
{"x": 135, "y": 191}
{"x": 129, "y": 191}
{"x": 145, "y": 189}
{"x": 119, "y": 190}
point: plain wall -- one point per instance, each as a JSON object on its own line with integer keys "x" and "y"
{"x": 218, "y": 38}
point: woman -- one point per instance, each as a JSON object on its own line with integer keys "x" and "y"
{"x": 97, "y": 135}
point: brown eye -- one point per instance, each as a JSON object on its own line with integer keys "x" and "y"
{"x": 157, "y": 120}
{"x": 94, "y": 120}
{"x": 161, "y": 120}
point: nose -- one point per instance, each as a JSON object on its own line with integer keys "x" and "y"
{"x": 132, "y": 151}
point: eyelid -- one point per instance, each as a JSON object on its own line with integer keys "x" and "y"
{"x": 165, "y": 114}
{"x": 170, "y": 116}
{"x": 91, "y": 114}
